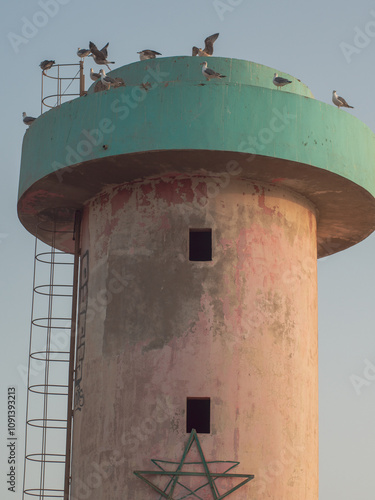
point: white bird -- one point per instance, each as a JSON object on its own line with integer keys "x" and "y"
{"x": 279, "y": 81}
{"x": 94, "y": 76}
{"x": 208, "y": 47}
{"x": 339, "y": 101}
{"x": 100, "y": 56}
{"x": 28, "y": 120}
{"x": 148, "y": 54}
{"x": 210, "y": 73}
{"x": 46, "y": 64}
{"x": 83, "y": 52}
{"x": 106, "y": 80}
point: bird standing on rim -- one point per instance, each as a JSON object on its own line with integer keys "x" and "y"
{"x": 100, "y": 56}
{"x": 94, "y": 76}
{"x": 46, "y": 64}
{"x": 28, "y": 120}
{"x": 210, "y": 73}
{"x": 83, "y": 52}
{"x": 208, "y": 47}
{"x": 279, "y": 81}
{"x": 148, "y": 54}
{"x": 106, "y": 80}
{"x": 339, "y": 101}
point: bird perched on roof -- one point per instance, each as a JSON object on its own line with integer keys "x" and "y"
{"x": 210, "y": 73}
{"x": 148, "y": 54}
{"x": 28, "y": 120}
{"x": 279, "y": 81}
{"x": 106, "y": 80}
{"x": 208, "y": 47}
{"x": 83, "y": 52}
{"x": 100, "y": 56}
{"x": 339, "y": 101}
{"x": 46, "y": 64}
{"x": 94, "y": 76}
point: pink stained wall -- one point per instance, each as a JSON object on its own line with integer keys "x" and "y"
{"x": 156, "y": 328}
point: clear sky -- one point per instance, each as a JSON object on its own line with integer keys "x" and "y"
{"x": 327, "y": 45}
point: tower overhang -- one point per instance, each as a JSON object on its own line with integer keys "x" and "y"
{"x": 169, "y": 121}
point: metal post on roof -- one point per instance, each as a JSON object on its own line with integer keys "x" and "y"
{"x": 81, "y": 79}
{"x": 64, "y": 80}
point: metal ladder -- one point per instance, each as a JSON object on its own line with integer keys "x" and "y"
{"x": 50, "y": 377}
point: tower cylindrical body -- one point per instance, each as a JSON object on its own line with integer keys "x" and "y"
{"x": 157, "y": 328}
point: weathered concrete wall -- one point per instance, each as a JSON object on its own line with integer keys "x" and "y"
{"x": 156, "y": 328}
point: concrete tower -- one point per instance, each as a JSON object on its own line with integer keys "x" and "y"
{"x": 204, "y": 207}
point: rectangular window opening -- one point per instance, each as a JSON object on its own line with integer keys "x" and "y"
{"x": 200, "y": 244}
{"x": 198, "y": 415}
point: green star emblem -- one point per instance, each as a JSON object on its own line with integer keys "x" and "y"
{"x": 175, "y": 488}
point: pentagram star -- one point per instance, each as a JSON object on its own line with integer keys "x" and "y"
{"x": 176, "y": 475}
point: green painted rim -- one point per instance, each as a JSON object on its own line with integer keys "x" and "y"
{"x": 167, "y": 107}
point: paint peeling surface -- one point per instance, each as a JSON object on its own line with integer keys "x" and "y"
{"x": 240, "y": 329}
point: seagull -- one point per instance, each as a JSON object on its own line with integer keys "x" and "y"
{"x": 339, "y": 101}
{"x": 83, "y": 52}
{"x": 28, "y": 120}
{"x": 100, "y": 56}
{"x": 46, "y": 64}
{"x": 279, "y": 81}
{"x": 210, "y": 73}
{"x": 208, "y": 47}
{"x": 148, "y": 54}
{"x": 94, "y": 76}
{"x": 106, "y": 80}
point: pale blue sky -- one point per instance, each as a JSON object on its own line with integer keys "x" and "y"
{"x": 304, "y": 39}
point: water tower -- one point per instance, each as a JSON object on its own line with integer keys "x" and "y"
{"x": 199, "y": 210}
